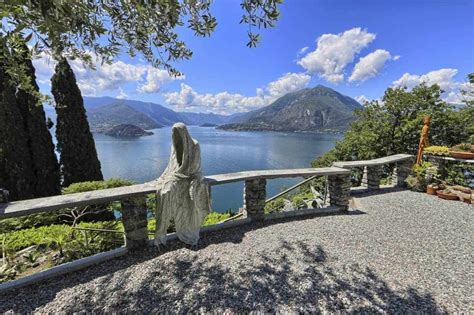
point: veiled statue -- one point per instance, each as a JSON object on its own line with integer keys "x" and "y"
{"x": 182, "y": 195}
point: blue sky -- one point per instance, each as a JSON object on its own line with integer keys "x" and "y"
{"x": 358, "y": 48}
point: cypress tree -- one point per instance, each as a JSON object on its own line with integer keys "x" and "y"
{"x": 16, "y": 172}
{"x": 79, "y": 161}
{"x": 40, "y": 144}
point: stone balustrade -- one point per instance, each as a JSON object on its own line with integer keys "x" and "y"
{"x": 134, "y": 211}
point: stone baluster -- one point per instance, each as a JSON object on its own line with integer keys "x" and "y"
{"x": 401, "y": 172}
{"x": 364, "y": 182}
{"x": 374, "y": 173}
{"x": 255, "y": 194}
{"x": 3, "y": 195}
{"x": 134, "y": 218}
{"x": 339, "y": 190}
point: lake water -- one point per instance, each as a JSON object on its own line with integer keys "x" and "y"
{"x": 144, "y": 159}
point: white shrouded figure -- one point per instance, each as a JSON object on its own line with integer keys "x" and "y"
{"x": 182, "y": 195}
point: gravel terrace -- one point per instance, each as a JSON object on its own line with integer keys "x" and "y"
{"x": 401, "y": 252}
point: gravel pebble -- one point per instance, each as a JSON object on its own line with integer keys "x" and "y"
{"x": 400, "y": 252}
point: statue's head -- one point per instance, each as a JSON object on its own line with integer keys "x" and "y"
{"x": 185, "y": 152}
{"x": 426, "y": 120}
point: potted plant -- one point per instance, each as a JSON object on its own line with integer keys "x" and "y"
{"x": 437, "y": 150}
{"x": 462, "y": 151}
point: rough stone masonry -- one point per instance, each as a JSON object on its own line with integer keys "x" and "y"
{"x": 255, "y": 194}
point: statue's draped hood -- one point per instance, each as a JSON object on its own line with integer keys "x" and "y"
{"x": 185, "y": 158}
{"x": 182, "y": 195}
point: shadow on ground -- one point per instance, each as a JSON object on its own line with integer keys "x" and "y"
{"x": 298, "y": 276}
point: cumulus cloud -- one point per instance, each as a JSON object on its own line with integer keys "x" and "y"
{"x": 122, "y": 95}
{"x": 370, "y": 66}
{"x": 443, "y": 77}
{"x": 334, "y": 52}
{"x": 156, "y": 79}
{"x": 362, "y": 99}
{"x": 188, "y": 99}
{"x": 107, "y": 77}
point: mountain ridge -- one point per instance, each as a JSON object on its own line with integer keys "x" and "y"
{"x": 308, "y": 110}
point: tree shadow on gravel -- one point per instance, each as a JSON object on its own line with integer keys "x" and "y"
{"x": 296, "y": 277}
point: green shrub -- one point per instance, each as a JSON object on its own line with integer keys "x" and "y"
{"x": 421, "y": 176}
{"x": 59, "y": 235}
{"x": 274, "y": 205}
{"x": 96, "y": 185}
{"x": 216, "y": 217}
{"x": 453, "y": 173}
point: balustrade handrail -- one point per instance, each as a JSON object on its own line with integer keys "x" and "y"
{"x": 48, "y": 204}
{"x": 53, "y": 203}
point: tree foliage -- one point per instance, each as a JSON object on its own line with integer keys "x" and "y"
{"x": 46, "y": 180}
{"x": 16, "y": 169}
{"x": 393, "y": 126}
{"x": 78, "y": 27}
{"x": 79, "y": 161}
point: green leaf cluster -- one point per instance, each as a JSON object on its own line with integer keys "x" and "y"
{"x": 80, "y": 29}
{"x": 393, "y": 125}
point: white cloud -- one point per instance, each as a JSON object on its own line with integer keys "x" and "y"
{"x": 396, "y": 57}
{"x": 107, "y": 77}
{"x": 369, "y": 66}
{"x": 122, "y": 95}
{"x": 156, "y": 79}
{"x": 334, "y": 52}
{"x": 224, "y": 102}
{"x": 302, "y": 51}
{"x": 443, "y": 77}
{"x": 362, "y": 99}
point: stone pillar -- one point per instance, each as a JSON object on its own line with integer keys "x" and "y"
{"x": 255, "y": 194}
{"x": 364, "y": 182}
{"x": 135, "y": 222}
{"x": 401, "y": 172}
{"x": 340, "y": 190}
{"x": 374, "y": 173}
{"x": 3, "y": 195}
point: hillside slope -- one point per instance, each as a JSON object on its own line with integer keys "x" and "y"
{"x": 103, "y": 118}
{"x": 309, "y": 110}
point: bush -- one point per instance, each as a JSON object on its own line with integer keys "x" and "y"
{"x": 421, "y": 176}
{"x": 60, "y": 234}
{"x": 96, "y": 185}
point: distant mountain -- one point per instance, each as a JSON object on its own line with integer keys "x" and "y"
{"x": 159, "y": 113}
{"x": 103, "y": 117}
{"x": 309, "y": 110}
{"x": 127, "y": 130}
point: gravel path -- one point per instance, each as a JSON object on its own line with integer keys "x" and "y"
{"x": 402, "y": 252}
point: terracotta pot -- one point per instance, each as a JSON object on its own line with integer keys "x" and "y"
{"x": 430, "y": 190}
{"x": 462, "y": 155}
{"x": 448, "y": 196}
